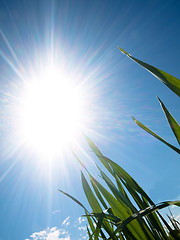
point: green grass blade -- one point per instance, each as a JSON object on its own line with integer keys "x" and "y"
{"x": 155, "y": 135}
{"x": 90, "y": 222}
{"x": 132, "y": 186}
{"x": 152, "y": 219}
{"x": 129, "y": 183}
{"x": 78, "y": 159}
{"x": 118, "y": 194}
{"x": 89, "y": 234}
{"x": 170, "y": 81}
{"x": 98, "y": 153}
{"x": 74, "y": 199}
{"x": 116, "y": 169}
{"x": 145, "y": 212}
{"x": 94, "y": 203}
{"x": 108, "y": 216}
{"x": 98, "y": 193}
{"x": 119, "y": 211}
{"x": 122, "y": 174}
{"x": 172, "y": 122}
{"x": 125, "y": 204}
{"x": 121, "y": 188}
{"x": 90, "y": 195}
{"x": 98, "y": 228}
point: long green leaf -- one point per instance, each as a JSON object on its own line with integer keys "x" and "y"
{"x": 98, "y": 228}
{"x": 89, "y": 234}
{"x": 172, "y": 122}
{"x": 90, "y": 195}
{"x": 94, "y": 203}
{"x": 98, "y": 193}
{"x": 119, "y": 211}
{"x": 118, "y": 194}
{"x": 155, "y": 135}
{"x": 146, "y": 211}
{"x": 170, "y": 81}
{"x": 74, "y": 199}
{"x": 128, "y": 206}
{"x": 132, "y": 187}
{"x": 121, "y": 173}
{"x": 90, "y": 222}
{"x": 114, "y": 168}
{"x": 98, "y": 153}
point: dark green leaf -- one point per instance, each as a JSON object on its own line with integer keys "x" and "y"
{"x": 90, "y": 195}
{"x": 94, "y": 203}
{"x": 145, "y": 212}
{"x": 172, "y": 122}
{"x": 170, "y": 81}
{"x": 120, "y": 211}
{"x": 74, "y": 199}
{"x": 155, "y": 135}
{"x": 98, "y": 153}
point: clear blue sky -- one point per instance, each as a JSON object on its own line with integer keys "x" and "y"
{"x": 86, "y": 34}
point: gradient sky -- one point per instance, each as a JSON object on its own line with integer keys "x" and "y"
{"x": 85, "y": 36}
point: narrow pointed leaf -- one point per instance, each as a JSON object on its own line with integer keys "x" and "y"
{"x": 98, "y": 228}
{"x": 119, "y": 195}
{"x": 110, "y": 217}
{"x": 98, "y": 153}
{"x": 120, "y": 212}
{"x": 74, "y": 199}
{"x": 170, "y": 81}
{"x": 172, "y": 122}
{"x": 147, "y": 211}
{"x": 121, "y": 189}
{"x": 94, "y": 203}
{"x": 98, "y": 194}
{"x": 81, "y": 163}
{"x": 122, "y": 174}
{"x": 155, "y": 135}
{"x": 89, "y": 234}
{"x": 90, "y": 222}
{"x": 116, "y": 169}
{"x": 90, "y": 195}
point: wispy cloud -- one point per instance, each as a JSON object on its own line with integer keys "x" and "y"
{"x": 56, "y": 211}
{"x": 79, "y": 221}
{"x": 66, "y": 222}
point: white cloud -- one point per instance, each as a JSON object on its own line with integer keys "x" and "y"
{"x": 51, "y": 234}
{"x": 66, "y": 222}
{"x": 83, "y": 228}
{"x": 77, "y": 230}
{"x": 80, "y": 219}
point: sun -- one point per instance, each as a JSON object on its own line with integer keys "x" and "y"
{"x": 50, "y": 113}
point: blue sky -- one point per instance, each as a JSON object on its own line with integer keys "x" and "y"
{"x": 85, "y": 36}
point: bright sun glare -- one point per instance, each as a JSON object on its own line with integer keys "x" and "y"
{"x": 51, "y": 111}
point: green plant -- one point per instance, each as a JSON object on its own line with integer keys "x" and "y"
{"x": 171, "y": 82}
{"x": 125, "y": 211}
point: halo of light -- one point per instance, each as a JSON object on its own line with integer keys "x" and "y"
{"x": 50, "y": 113}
